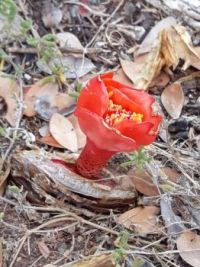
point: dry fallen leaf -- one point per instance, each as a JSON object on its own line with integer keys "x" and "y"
{"x": 77, "y": 67}
{"x": 171, "y": 173}
{"x": 173, "y": 99}
{"x": 144, "y": 69}
{"x": 68, "y": 40}
{"x": 188, "y": 244}
{"x": 63, "y": 132}
{"x": 135, "y": 72}
{"x": 44, "y": 250}
{"x": 142, "y": 219}
{"x": 120, "y": 76}
{"x": 51, "y": 15}
{"x": 44, "y": 99}
{"x": 160, "y": 81}
{"x": 172, "y": 44}
{"x": 10, "y": 91}
{"x": 81, "y": 138}
{"x": 143, "y": 183}
{"x": 50, "y": 141}
{"x": 45, "y": 87}
{"x": 149, "y": 40}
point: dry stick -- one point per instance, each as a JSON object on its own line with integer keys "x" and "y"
{"x": 29, "y": 232}
{"x": 104, "y": 23}
{"x": 81, "y": 220}
{"x": 31, "y": 50}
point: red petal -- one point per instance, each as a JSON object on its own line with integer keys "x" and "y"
{"x": 138, "y": 132}
{"x": 140, "y": 97}
{"x": 94, "y": 96}
{"x": 108, "y": 75}
{"x": 121, "y": 99}
{"x": 103, "y": 136}
{"x": 156, "y": 120}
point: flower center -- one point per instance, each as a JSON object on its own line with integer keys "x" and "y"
{"x": 116, "y": 114}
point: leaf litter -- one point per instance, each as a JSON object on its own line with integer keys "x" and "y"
{"x": 164, "y": 65}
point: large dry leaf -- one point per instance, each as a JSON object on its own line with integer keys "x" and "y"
{"x": 50, "y": 141}
{"x": 46, "y": 106}
{"x": 63, "y": 132}
{"x": 81, "y": 138}
{"x": 51, "y": 15}
{"x": 171, "y": 45}
{"x": 77, "y": 67}
{"x": 149, "y": 40}
{"x": 68, "y": 40}
{"x": 44, "y": 99}
{"x": 120, "y": 76}
{"x": 144, "y": 183}
{"x": 173, "y": 100}
{"x": 144, "y": 69}
{"x": 10, "y": 92}
{"x": 142, "y": 219}
{"x": 41, "y": 89}
{"x": 188, "y": 244}
{"x": 171, "y": 173}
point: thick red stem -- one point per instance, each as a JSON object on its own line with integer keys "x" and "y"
{"x": 92, "y": 160}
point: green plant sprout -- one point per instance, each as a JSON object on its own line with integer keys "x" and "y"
{"x": 138, "y": 159}
{"x": 8, "y": 9}
{"x": 121, "y": 243}
{"x": 46, "y": 46}
{"x": 77, "y": 91}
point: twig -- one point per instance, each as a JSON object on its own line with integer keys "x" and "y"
{"x": 31, "y": 50}
{"x": 53, "y": 221}
{"x": 104, "y": 23}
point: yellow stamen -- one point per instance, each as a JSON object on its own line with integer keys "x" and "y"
{"x": 116, "y": 114}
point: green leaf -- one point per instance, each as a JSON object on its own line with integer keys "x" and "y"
{"x": 8, "y": 9}
{"x": 118, "y": 254}
{"x": 25, "y": 26}
{"x": 122, "y": 240}
{"x": 49, "y": 38}
{"x": 138, "y": 159}
{"x": 2, "y": 132}
{"x": 15, "y": 189}
{"x": 166, "y": 187}
{"x": 32, "y": 41}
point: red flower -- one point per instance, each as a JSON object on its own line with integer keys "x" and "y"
{"x": 114, "y": 117}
